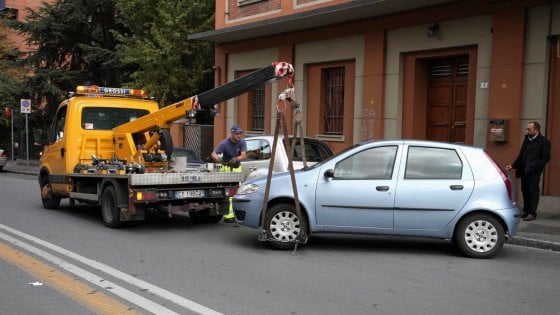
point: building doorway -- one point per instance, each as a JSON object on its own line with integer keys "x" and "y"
{"x": 447, "y": 99}
{"x": 438, "y": 95}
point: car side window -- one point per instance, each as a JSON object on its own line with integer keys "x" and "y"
{"x": 374, "y": 163}
{"x": 315, "y": 151}
{"x": 258, "y": 149}
{"x": 433, "y": 163}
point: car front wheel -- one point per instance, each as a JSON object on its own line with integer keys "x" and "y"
{"x": 480, "y": 236}
{"x": 283, "y": 226}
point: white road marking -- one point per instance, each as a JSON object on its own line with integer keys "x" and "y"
{"x": 128, "y": 295}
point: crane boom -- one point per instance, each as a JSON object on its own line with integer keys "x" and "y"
{"x": 157, "y": 123}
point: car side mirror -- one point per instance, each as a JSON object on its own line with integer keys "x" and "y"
{"x": 329, "y": 173}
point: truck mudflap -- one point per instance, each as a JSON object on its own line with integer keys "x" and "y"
{"x": 154, "y": 179}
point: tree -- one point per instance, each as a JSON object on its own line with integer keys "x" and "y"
{"x": 169, "y": 66}
{"x": 10, "y": 84}
{"x": 74, "y": 45}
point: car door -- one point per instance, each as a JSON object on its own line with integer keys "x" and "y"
{"x": 434, "y": 184}
{"x": 359, "y": 196}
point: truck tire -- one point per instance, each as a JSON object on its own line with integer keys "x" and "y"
{"x": 203, "y": 216}
{"x": 50, "y": 201}
{"x": 283, "y": 226}
{"x": 110, "y": 207}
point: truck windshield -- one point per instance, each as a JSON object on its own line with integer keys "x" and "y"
{"x": 107, "y": 118}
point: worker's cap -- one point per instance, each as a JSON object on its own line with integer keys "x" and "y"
{"x": 236, "y": 129}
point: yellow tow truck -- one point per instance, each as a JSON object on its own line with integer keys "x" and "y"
{"x": 112, "y": 147}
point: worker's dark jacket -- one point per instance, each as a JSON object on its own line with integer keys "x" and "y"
{"x": 532, "y": 156}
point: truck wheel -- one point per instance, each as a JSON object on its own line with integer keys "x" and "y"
{"x": 479, "y": 236}
{"x": 283, "y": 227}
{"x": 50, "y": 201}
{"x": 110, "y": 208}
{"x": 203, "y": 216}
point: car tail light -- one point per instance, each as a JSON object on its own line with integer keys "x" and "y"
{"x": 4, "y": 155}
{"x": 505, "y": 178}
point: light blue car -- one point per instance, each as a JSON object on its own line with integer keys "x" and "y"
{"x": 396, "y": 187}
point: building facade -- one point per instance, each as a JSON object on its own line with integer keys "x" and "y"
{"x": 17, "y": 9}
{"x": 473, "y": 72}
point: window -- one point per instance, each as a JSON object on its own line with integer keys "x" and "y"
{"x": 315, "y": 151}
{"x": 375, "y": 163}
{"x": 333, "y": 100}
{"x": 433, "y": 163}
{"x": 256, "y": 99}
{"x": 258, "y": 149}
{"x": 107, "y": 118}
{"x": 8, "y": 13}
{"x": 57, "y": 128}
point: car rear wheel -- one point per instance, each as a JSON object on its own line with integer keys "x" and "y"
{"x": 110, "y": 208}
{"x": 283, "y": 226}
{"x": 50, "y": 201}
{"x": 480, "y": 236}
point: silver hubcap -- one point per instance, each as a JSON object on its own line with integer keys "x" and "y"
{"x": 285, "y": 226}
{"x": 481, "y": 236}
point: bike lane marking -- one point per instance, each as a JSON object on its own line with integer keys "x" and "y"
{"x": 92, "y": 299}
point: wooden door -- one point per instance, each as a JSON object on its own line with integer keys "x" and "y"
{"x": 447, "y": 99}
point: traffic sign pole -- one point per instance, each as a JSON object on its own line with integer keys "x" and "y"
{"x": 26, "y": 109}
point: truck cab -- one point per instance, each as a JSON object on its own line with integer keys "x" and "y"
{"x": 82, "y": 131}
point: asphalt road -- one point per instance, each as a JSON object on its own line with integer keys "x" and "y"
{"x": 171, "y": 265}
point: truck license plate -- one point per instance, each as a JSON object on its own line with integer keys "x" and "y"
{"x": 189, "y": 194}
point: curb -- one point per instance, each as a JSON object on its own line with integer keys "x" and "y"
{"x": 531, "y": 242}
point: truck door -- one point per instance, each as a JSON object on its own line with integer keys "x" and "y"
{"x": 54, "y": 154}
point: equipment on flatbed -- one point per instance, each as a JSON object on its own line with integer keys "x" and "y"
{"x": 112, "y": 146}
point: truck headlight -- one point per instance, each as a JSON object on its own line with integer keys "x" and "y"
{"x": 247, "y": 189}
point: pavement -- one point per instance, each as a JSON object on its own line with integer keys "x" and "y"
{"x": 542, "y": 233}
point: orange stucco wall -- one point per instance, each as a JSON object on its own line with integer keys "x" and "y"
{"x": 506, "y": 72}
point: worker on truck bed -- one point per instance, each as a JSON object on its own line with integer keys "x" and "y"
{"x": 233, "y": 150}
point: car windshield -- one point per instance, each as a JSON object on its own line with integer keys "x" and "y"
{"x": 315, "y": 151}
{"x": 332, "y": 156}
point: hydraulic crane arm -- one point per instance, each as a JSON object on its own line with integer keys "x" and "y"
{"x": 163, "y": 117}
{"x": 158, "y": 122}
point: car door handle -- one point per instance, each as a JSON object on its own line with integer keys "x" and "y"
{"x": 382, "y": 188}
{"x": 456, "y": 187}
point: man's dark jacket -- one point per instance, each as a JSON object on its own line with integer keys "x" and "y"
{"x": 534, "y": 154}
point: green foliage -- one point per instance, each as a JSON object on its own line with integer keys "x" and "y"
{"x": 169, "y": 66}
{"x": 134, "y": 43}
{"x": 74, "y": 45}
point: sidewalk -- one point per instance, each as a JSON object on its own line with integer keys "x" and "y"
{"x": 542, "y": 233}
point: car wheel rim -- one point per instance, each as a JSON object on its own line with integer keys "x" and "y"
{"x": 285, "y": 226}
{"x": 481, "y": 236}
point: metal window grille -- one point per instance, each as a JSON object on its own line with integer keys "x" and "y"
{"x": 257, "y": 104}
{"x": 334, "y": 100}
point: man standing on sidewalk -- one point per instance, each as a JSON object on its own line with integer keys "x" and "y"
{"x": 529, "y": 165}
